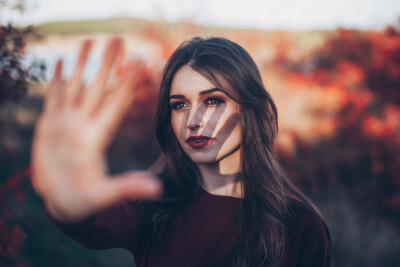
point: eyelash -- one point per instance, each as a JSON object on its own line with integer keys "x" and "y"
{"x": 210, "y": 101}
{"x": 177, "y": 105}
{"x": 213, "y": 101}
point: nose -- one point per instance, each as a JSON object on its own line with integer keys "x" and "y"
{"x": 195, "y": 121}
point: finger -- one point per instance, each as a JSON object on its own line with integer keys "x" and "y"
{"x": 112, "y": 54}
{"x": 123, "y": 73}
{"x": 120, "y": 100}
{"x": 58, "y": 70}
{"x": 96, "y": 91}
{"x": 75, "y": 83}
{"x": 53, "y": 97}
{"x": 132, "y": 185}
{"x": 118, "y": 71}
{"x": 119, "y": 68}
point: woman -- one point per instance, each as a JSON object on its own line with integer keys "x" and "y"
{"x": 224, "y": 200}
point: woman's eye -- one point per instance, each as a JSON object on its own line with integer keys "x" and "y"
{"x": 178, "y": 105}
{"x": 213, "y": 101}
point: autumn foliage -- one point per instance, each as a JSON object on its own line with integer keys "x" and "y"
{"x": 362, "y": 72}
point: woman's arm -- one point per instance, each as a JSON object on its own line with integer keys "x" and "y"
{"x": 120, "y": 225}
{"x": 75, "y": 128}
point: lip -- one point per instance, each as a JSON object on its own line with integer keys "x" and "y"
{"x": 199, "y": 141}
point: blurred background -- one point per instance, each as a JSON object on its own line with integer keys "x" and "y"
{"x": 333, "y": 68}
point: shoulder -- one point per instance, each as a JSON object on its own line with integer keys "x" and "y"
{"x": 308, "y": 236}
{"x": 304, "y": 217}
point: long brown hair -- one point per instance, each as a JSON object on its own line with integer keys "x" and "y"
{"x": 265, "y": 206}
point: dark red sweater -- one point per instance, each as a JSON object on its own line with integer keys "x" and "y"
{"x": 202, "y": 235}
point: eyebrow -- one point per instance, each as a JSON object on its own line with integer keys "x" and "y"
{"x": 205, "y": 92}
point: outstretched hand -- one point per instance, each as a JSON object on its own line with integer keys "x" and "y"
{"x": 75, "y": 128}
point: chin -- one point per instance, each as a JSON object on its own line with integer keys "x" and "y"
{"x": 204, "y": 162}
{"x": 202, "y": 158}
{"x": 210, "y": 156}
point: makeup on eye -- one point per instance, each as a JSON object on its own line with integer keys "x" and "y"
{"x": 208, "y": 101}
{"x": 178, "y": 105}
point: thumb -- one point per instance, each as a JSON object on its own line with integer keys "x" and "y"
{"x": 133, "y": 185}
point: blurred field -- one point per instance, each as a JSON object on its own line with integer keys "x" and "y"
{"x": 338, "y": 102}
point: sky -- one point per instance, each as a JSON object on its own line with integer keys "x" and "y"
{"x": 261, "y": 14}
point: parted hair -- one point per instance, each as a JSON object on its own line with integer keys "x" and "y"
{"x": 263, "y": 236}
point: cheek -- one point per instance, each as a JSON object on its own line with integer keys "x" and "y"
{"x": 230, "y": 128}
{"x": 231, "y": 136}
{"x": 174, "y": 123}
{"x": 177, "y": 124}
{"x": 236, "y": 136}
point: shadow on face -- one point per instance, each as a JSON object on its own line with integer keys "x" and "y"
{"x": 205, "y": 120}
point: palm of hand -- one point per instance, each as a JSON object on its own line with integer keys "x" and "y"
{"x": 73, "y": 131}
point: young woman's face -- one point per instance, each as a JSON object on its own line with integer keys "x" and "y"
{"x": 205, "y": 120}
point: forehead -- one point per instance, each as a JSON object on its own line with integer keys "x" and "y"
{"x": 187, "y": 81}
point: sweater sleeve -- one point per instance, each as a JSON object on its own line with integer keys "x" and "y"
{"x": 309, "y": 242}
{"x": 119, "y": 226}
{"x": 314, "y": 246}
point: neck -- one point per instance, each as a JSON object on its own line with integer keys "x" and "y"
{"x": 222, "y": 177}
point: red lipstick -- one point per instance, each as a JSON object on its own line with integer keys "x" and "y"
{"x": 199, "y": 141}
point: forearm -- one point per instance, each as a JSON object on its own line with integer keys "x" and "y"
{"x": 116, "y": 226}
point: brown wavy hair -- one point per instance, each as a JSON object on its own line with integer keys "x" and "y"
{"x": 265, "y": 205}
